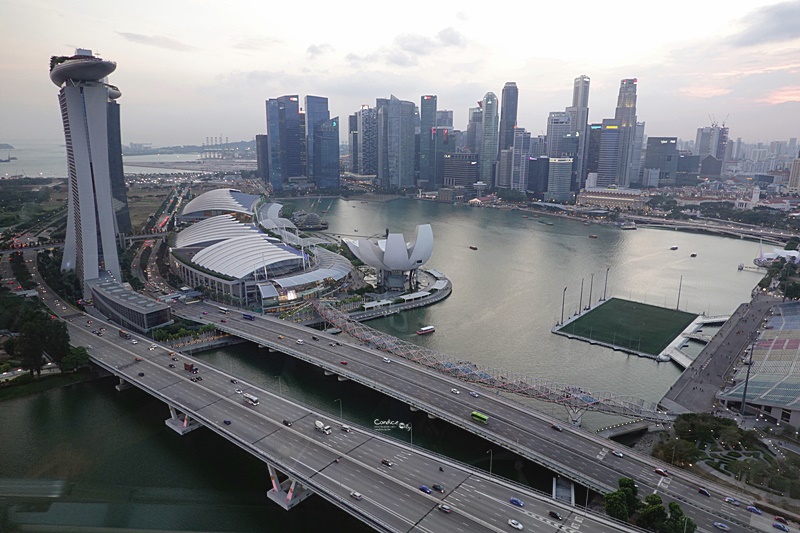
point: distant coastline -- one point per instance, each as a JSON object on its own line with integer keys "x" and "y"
{"x": 4, "y": 146}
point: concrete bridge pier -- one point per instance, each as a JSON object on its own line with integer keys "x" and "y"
{"x": 180, "y": 423}
{"x": 563, "y": 490}
{"x": 122, "y": 385}
{"x": 342, "y": 378}
{"x": 413, "y": 409}
{"x": 286, "y": 494}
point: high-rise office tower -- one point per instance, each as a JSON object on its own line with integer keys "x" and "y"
{"x": 316, "y": 112}
{"x": 460, "y": 169}
{"x": 262, "y": 158}
{"x": 442, "y": 144}
{"x": 474, "y": 129}
{"x": 396, "y": 143}
{"x": 520, "y": 154}
{"x": 559, "y": 177}
{"x": 662, "y": 155}
{"x": 285, "y": 136}
{"x": 325, "y": 160}
{"x": 508, "y": 115}
{"x": 580, "y": 102}
{"x": 559, "y": 123}
{"x": 444, "y": 118}
{"x": 502, "y": 178}
{"x": 592, "y": 150}
{"x": 626, "y": 115}
{"x": 427, "y": 132}
{"x": 352, "y": 143}
{"x": 636, "y": 152}
{"x": 90, "y": 246}
{"x": 367, "y": 118}
{"x": 711, "y": 141}
{"x": 488, "y": 153}
{"x": 794, "y": 176}
{"x": 608, "y": 159}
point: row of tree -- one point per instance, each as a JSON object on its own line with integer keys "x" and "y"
{"x": 624, "y": 504}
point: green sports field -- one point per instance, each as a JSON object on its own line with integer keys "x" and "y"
{"x": 631, "y": 325}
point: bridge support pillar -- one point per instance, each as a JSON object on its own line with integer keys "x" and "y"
{"x": 432, "y": 417}
{"x": 327, "y": 373}
{"x": 122, "y": 385}
{"x": 413, "y": 409}
{"x": 288, "y": 493}
{"x": 342, "y": 378}
{"x": 180, "y": 423}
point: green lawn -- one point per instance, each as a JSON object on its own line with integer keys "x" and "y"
{"x": 632, "y": 325}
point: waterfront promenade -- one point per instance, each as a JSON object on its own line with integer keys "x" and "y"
{"x": 695, "y": 389}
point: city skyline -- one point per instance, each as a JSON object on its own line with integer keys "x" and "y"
{"x": 214, "y": 71}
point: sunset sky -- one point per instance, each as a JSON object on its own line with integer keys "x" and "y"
{"x": 194, "y": 69}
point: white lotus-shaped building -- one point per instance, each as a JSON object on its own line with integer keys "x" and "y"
{"x": 393, "y": 257}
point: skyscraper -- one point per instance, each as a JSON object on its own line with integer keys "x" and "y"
{"x": 316, "y": 113}
{"x": 662, "y": 155}
{"x": 520, "y": 155}
{"x": 367, "y": 118}
{"x": 474, "y": 129}
{"x": 488, "y": 150}
{"x": 626, "y": 115}
{"x": 262, "y": 158}
{"x": 395, "y": 143}
{"x": 90, "y": 246}
{"x": 285, "y": 134}
{"x": 352, "y": 143}
{"x": 442, "y": 143}
{"x": 325, "y": 159}
{"x": 559, "y": 123}
{"x": 558, "y": 179}
{"x": 608, "y": 159}
{"x": 508, "y": 114}
{"x": 794, "y": 176}
{"x": 444, "y": 118}
{"x": 427, "y": 132}
{"x": 580, "y": 102}
{"x": 116, "y": 172}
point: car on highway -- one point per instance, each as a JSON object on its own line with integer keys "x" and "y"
{"x": 152, "y": 347}
{"x": 174, "y": 358}
{"x": 443, "y": 507}
{"x": 555, "y": 515}
{"x": 557, "y": 427}
{"x": 425, "y": 489}
{"x": 617, "y": 453}
{"x": 722, "y": 526}
{"x": 356, "y": 495}
{"x": 141, "y": 374}
{"x": 387, "y": 360}
{"x": 134, "y": 341}
{"x": 343, "y": 362}
{"x": 779, "y": 518}
{"x": 227, "y": 422}
{"x": 703, "y": 491}
{"x": 138, "y": 359}
{"x": 239, "y": 391}
{"x": 347, "y": 429}
{"x": 517, "y": 502}
{"x": 195, "y": 371}
{"x": 753, "y": 509}
{"x": 782, "y": 527}
{"x": 661, "y": 472}
{"x": 732, "y": 501}
{"x": 314, "y": 338}
{"x": 205, "y": 312}
{"x": 437, "y": 488}
{"x": 474, "y": 394}
{"x": 387, "y": 462}
{"x": 172, "y": 365}
{"x": 234, "y": 381}
{"x": 455, "y": 391}
{"x": 280, "y": 337}
{"x": 287, "y": 423}
{"x": 300, "y": 341}
{"x": 513, "y": 523}
{"x": 223, "y": 321}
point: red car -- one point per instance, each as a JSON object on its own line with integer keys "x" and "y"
{"x": 344, "y": 362}
{"x": 661, "y": 472}
{"x": 138, "y": 359}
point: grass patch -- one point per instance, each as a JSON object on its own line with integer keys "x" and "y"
{"x": 43, "y": 383}
{"x": 632, "y": 325}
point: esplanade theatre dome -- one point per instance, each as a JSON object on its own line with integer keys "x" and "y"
{"x": 219, "y": 202}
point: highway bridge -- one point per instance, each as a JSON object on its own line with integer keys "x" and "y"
{"x": 718, "y": 227}
{"x": 569, "y": 451}
{"x": 386, "y": 474}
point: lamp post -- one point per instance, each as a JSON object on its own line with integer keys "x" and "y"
{"x": 605, "y": 286}
{"x": 341, "y": 418}
{"x": 491, "y": 455}
{"x": 563, "y": 299}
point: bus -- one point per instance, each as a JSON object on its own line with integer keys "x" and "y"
{"x": 480, "y": 417}
{"x": 248, "y": 317}
{"x": 223, "y": 310}
{"x": 249, "y": 398}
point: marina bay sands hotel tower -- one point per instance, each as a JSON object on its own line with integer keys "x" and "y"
{"x": 94, "y": 159}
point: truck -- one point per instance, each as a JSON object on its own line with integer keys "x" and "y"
{"x": 188, "y": 366}
{"x": 322, "y": 428}
{"x": 124, "y": 334}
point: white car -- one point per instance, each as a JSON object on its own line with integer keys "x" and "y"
{"x": 513, "y": 523}
{"x": 300, "y": 341}
{"x": 455, "y": 391}
{"x": 356, "y": 495}
{"x": 134, "y": 342}
{"x": 387, "y": 360}
{"x": 618, "y": 453}
{"x": 474, "y": 394}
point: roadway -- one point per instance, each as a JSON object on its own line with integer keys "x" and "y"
{"x": 577, "y": 454}
{"x": 391, "y": 499}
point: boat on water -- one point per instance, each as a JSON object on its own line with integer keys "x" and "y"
{"x": 693, "y": 254}
{"x": 426, "y": 330}
{"x": 524, "y": 216}
{"x": 473, "y": 247}
{"x": 592, "y": 236}
{"x": 549, "y": 223}
{"x": 628, "y": 225}
{"x": 673, "y": 247}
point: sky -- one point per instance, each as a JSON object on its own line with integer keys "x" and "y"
{"x": 189, "y": 70}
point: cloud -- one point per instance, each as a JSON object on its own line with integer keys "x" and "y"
{"x": 316, "y": 50}
{"x": 697, "y": 91}
{"x": 400, "y": 58}
{"x": 158, "y": 41}
{"x": 255, "y": 43}
{"x": 782, "y": 96}
{"x": 770, "y": 24}
{"x": 450, "y": 37}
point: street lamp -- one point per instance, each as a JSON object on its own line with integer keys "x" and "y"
{"x": 563, "y": 298}
{"x": 606, "y": 284}
{"x": 341, "y": 418}
{"x": 491, "y": 455}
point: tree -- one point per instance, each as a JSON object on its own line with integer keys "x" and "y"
{"x": 678, "y": 522}
{"x": 629, "y": 488}
{"x": 30, "y": 344}
{"x": 56, "y": 340}
{"x": 76, "y": 358}
{"x": 653, "y": 515}
{"x": 616, "y": 506}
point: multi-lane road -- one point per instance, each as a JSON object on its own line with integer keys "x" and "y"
{"x": 391, "y": 498}
{"x": 573, "y": 452}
